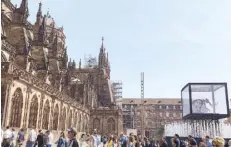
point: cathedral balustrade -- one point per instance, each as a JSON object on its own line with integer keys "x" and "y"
{"x": 20, "y": 74}
{"x": 8, "y": 47}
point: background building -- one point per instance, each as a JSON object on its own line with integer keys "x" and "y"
{"x": 117, "y": 89}
{"x": 157, "y": 112}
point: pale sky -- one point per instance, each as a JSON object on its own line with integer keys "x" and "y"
{"x": 172, "y": 41}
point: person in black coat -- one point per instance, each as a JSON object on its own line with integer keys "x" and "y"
{"x": 72, "y": 138}
{"x": 40, "y": 140}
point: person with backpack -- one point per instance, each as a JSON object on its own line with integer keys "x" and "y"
{"x": 123, "y": 140}
{"x": 192, "y": 142}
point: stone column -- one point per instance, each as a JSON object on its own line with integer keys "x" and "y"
{"x": 27, "y": 108}
{"x": 77, "y": 121}
{"x": 8, "y": 97}
{"x": 60, "y": 114}
{"x": 67, "y": 120}
{"x": 40, "y": 115}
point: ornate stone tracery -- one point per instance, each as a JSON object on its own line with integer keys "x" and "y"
{"x": 96, "y": 124}
{"x": 70, "y": 119}
{"x": 55, "y": 117}
{"x": 33, "y": 114}
{"x": 63, "y": 119}
{"x": 111, "y": 125}
{"x": 16, "y": 108}
{"x": 46, "y": 113}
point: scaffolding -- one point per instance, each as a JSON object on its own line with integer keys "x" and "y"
{"x": 117, "y": 89}
{"x": 89, "y": 61}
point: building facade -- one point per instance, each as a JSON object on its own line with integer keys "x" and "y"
{"x": 156, "y": 113}
{"x": 41, "y": 87}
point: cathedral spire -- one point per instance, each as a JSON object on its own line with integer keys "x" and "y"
{"x": 102, "y": 55}
{"x": 23, "y": 11}
{"x": 39, "y": 13}
{"x": 24, "y": 6}
{"x": 102, "y": 46}
{"x": 80, "y": 64}
{"x": 73, "y": 64}
{"x": 42, "y": 31}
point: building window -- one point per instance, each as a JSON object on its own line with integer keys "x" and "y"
{"x": 174, "y": 107}
{"x": 33, "y": 111}
{"x": 174, "y": 114}
{"x": 96, "y": 124}
{"x": 16, "y": 108}
{"x": 46, "y": 112}
{"x": 111, "y": 125}
{"x": 167, "y": 114}
{"x": 55, "y": 117}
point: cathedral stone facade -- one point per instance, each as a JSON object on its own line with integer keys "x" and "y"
{"x": 41, "y": 87}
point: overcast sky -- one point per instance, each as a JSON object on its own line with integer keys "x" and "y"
{"x": 172, "y": 41}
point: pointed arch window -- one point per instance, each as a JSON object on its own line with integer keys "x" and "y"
{"x": 75, "y": 119}
{"x": 96, "y": 124}
{"x": 70, "y": 119}
{"x": 56, "y": 117}
{"x": 111, "y": 125}
{"x": 46, "y": 112}
{"x": 16, "y": 108}
{"x": 63, "y": 119}
{"x": 33, "y": 111}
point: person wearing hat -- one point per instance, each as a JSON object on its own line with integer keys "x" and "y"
{"x": 72, "y": 138}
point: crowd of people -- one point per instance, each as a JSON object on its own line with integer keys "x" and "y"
{"x": 46, "y": 139}
{"x": 38, "y": 139}
{"x": 204, "y": 142}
